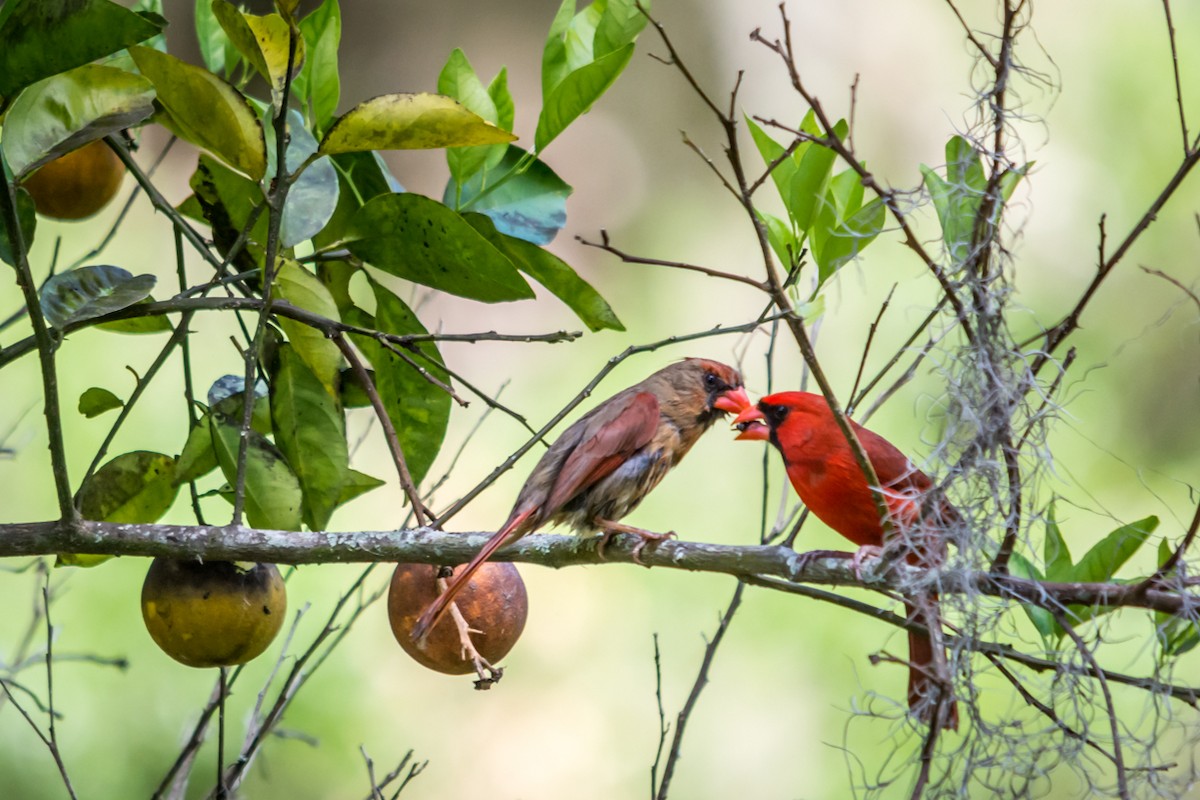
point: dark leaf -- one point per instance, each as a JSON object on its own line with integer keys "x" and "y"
{"x": 419, "y": 410}
{"x": 64, "y": 112}
{"x": 43, "y": 39}
{"x": 206, "y": 111}
{"x": 420, "y": 240}
{"x": 553, "y": 273}
{"x": 273, "y": 496}
{"x": 311, "y": 432}
{"x": 27, "y": 214}
{"x": 318, "y": 84}
{"x": 134, "y": 487}
{"x": 95, "y": 401}
{"x": 530, "y": 204}
{"x": 90, "y": 292}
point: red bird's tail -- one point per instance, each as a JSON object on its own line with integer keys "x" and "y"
{"x": 928, "y": 699}
{"x": 438, "y": 607}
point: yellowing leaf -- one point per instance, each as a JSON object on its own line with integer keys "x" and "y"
{"x": 409, "y": 122}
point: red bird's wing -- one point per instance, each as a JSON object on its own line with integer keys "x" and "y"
{"x": 610, "y": 438}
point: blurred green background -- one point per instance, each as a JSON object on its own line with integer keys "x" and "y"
{"x": 575, "y": 715}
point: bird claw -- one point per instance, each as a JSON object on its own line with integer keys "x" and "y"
{"x": 806, "y": 559}
{"x": 867, "y": 551}
{"x": 611, "y": 529}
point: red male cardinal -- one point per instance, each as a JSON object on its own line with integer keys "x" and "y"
{"x": 603, "y": 465}
{"x": 823, "y": 471}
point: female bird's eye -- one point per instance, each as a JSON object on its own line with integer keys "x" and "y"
{"x": 710, "y": 380}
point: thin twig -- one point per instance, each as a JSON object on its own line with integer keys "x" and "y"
{"x": 689, "y": 705}
{"x": 607, "y": 247}
{"x": 389, "y": 431}
{"x": 1086, "y": 653}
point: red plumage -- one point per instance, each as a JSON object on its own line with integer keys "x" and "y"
{"x": 822, "y": 469}
{"x": 612, "y": 457}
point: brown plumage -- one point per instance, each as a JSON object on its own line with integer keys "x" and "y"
{"x": 604, "y": 464}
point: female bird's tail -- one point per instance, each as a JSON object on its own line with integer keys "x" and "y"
{"x": 438, "y": 607}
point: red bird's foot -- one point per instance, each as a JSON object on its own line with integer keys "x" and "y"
{"x": 805, "y": 559}
{"x": 610, "y": 529}
{"x": 867, "y": 551}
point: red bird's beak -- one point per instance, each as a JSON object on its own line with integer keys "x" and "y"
{"x": 735, "y": 401}
{"x": 751, "y": 425}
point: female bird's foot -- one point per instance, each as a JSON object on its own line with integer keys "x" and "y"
{"x": 609, "y": 529}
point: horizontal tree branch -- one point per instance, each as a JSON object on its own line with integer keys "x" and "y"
{"x": 424, "y": 545}
{"x": 284, "y": 309}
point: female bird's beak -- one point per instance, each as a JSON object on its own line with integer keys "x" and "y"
{"x": 751, "y": 425}
{"x": 735, "y": 401}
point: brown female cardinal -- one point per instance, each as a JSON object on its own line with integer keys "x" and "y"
{"x": 603, "y": 465}
{"x": 823, "y": 471}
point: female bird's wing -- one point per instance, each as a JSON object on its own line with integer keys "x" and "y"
{"x": 613, "y": 435}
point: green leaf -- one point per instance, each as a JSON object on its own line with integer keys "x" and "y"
{"x": 576, "y": 93}
{"x": 206, "y": 111}
{"x": 273, "y": 496}
{"x": 211, "y": 38}
{"x": 420, "y": 240}
{"x": 1056, "y": 555}
{"x": 419, "y": 410}
{"x": 263, "y": 41}
{"x": 1042, "y": 619}
{"x": 849, "y": 239}
{"x": 66, "y": 111}
{"x": 301, "y": 288}
{"x": 134, "y": 488}
{"x": 530, "y": 203}
{"x": 1101, "y": 562}
{"x": 1176, "y": 634}
{"x": 226, "y": 200}
{"x": 506, "y": 110}
{"x": 783, "y": 242}
{"x": 553, "y": 273}
{"x": 807, "y": 186}
{"x": 844, "y": 195}
{"x": 90, "y": 292}
{"x": 771, "y": 150}
{"x": 318, "y": 84}
{"x": 311, "y": 432}
{"x": 226, "y": 399}
{"x": 409, "y": 122}
{"x": 95, "y": 401}
{"x": 361, "y": 176}
{"x": 352, "y": 392}
{"x": 619, "y": 26}
{"x": 313, "y": 196}
{"x": 1108, "y": 555}
{"x": 963, "y": 167}
{"x": 43, "y": 39}
{"x": 27, "y": 216}
{"x": 138, "y": 325}
{"x": 459, "y": 81}
{"x": 554, "y": 53}
{"x": 357, "y": 483}
{"x": 958, "y": 197}
{"x": 198, "y": 457}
